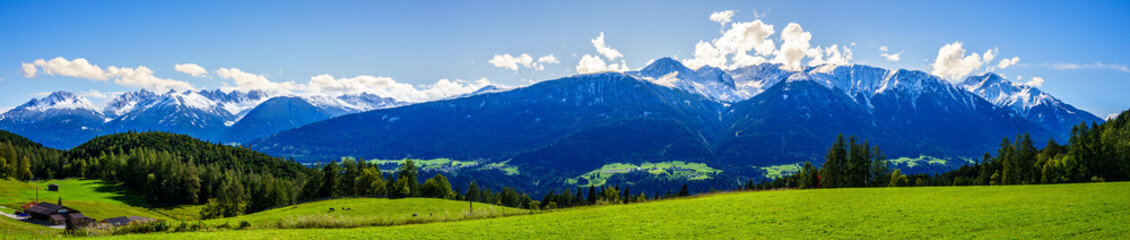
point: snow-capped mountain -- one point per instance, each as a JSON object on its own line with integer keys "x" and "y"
{"x": 707, "y": 81}
{"x": 64, "y": 119}
{"x": 59, "y": 119}
{"x": 351, "y": 103}
{"x": 57, "y": 104}
{"x": 1029, "y": 102}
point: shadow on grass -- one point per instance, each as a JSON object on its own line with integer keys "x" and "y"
{"x": 120, "y": 193}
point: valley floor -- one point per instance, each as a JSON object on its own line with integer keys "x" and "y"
{"x": 1082, "y": 211}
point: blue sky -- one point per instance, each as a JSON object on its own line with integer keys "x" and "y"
{"x": 1078, "y": 48}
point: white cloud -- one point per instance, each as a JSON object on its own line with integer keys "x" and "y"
{"x": 29, "y": 70}
{"x": 794, "y": 47}
{"x": 889, "y": 56}
{"x": 830, "y": 55}
{"x": 78, "y": 67}
{"x": 722, "y": 17}
{"x": 388, "y": 87}
{"x": 6, "y": 109}
{"x": 1035, "y": 82}
{"x": 953, "y": 64}
{"x": 1005, "y": 63}
{"x": 507, "y": 61}
{"x": 736, "y": 43}
{"x": 1109, "y": 117}
{"x": 604, "y": 49}
{"x": 191, "y": 69}
{"x": 1096, "y": 65}
{"x": 248, "y": 81}
{"x": 94, "y": 93}
{"x": 593, "y": 64}
{"x": 140, "y": 77}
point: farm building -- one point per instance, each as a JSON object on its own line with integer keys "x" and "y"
{"x": 53, "y": 187}
{"x": 56, "y": 214}
{"x": 122, "y": 221}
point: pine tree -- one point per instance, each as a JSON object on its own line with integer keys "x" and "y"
{"x": 683, "y": 192}
{"x": 592, "y": 195}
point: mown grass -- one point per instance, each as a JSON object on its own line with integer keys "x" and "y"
{"x": 366, "y": 212}
{"x": 1081, "y": 211}
{"x": 95, "y": 198}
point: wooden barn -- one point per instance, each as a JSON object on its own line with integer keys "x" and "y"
{"x": 53, "y": 187}
{"x": 56, "y": 214}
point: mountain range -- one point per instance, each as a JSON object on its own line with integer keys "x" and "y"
{"x": 64, "y": 119}
{"x": 740, "y": 118}
{"x": 747, "y": 117}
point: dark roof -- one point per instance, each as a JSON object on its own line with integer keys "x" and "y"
{"x": 141, "y": 219}
{"x": 57, "y": 217}
{"x": 45, "y": 208}
{"x": 117, "y": 221}
{"x": 56, "y": 185}
{"x": 76, "y": 215}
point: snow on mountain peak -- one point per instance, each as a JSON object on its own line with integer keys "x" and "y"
{"x": 61, "y": 100}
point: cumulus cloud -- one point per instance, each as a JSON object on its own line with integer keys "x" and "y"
{"x": 722, "y": 17}
{"x": 191, "y": 69}
{"x": 594, "y": 64}
{"x": 6, "y": 109}
{"x": 953, "y": 64}
{"x": 94, "y": 93}
{"x": 794, "y": 47}
{"x": 604, "y": 49}
{"x": 1035, "y": 82}
{"x": 1109, "y": 117}
{"x": 889, "y": 56}
{"x": 140, "y": 77}
{"x": 249, "y": 81}
{"x": 388, "y": 87}
{"x": 508, "y": 61}
{"x": 735, "y": 44}
{"x": 1096, "y": 65}
{"x": 834, "y": 55}
{"x": 29, "y": 70}
{"x": 79, "y": 68}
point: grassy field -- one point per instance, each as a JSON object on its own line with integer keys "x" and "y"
{"x": 675, "y": 169}
{"x": 1082, "y": 211}
{"x": 776, "y": 171}
{"x": 370, "y": 210}
{"x": 95, "y": 198}
{"x": 12, "y": 229}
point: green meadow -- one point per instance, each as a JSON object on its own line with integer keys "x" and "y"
{"x": 95, "y": 198}
{"x": 1080, "y": 211}
{"x": 674, "y": 169}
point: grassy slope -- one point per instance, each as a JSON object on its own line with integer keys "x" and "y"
{"x": 95, "y": 198}
{"x": 364, "y": 208}
{"x": 1085, "y": 211}
{"x": 12, "y": 229}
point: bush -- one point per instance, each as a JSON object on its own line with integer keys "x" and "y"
{"x": 244, "y": 224}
